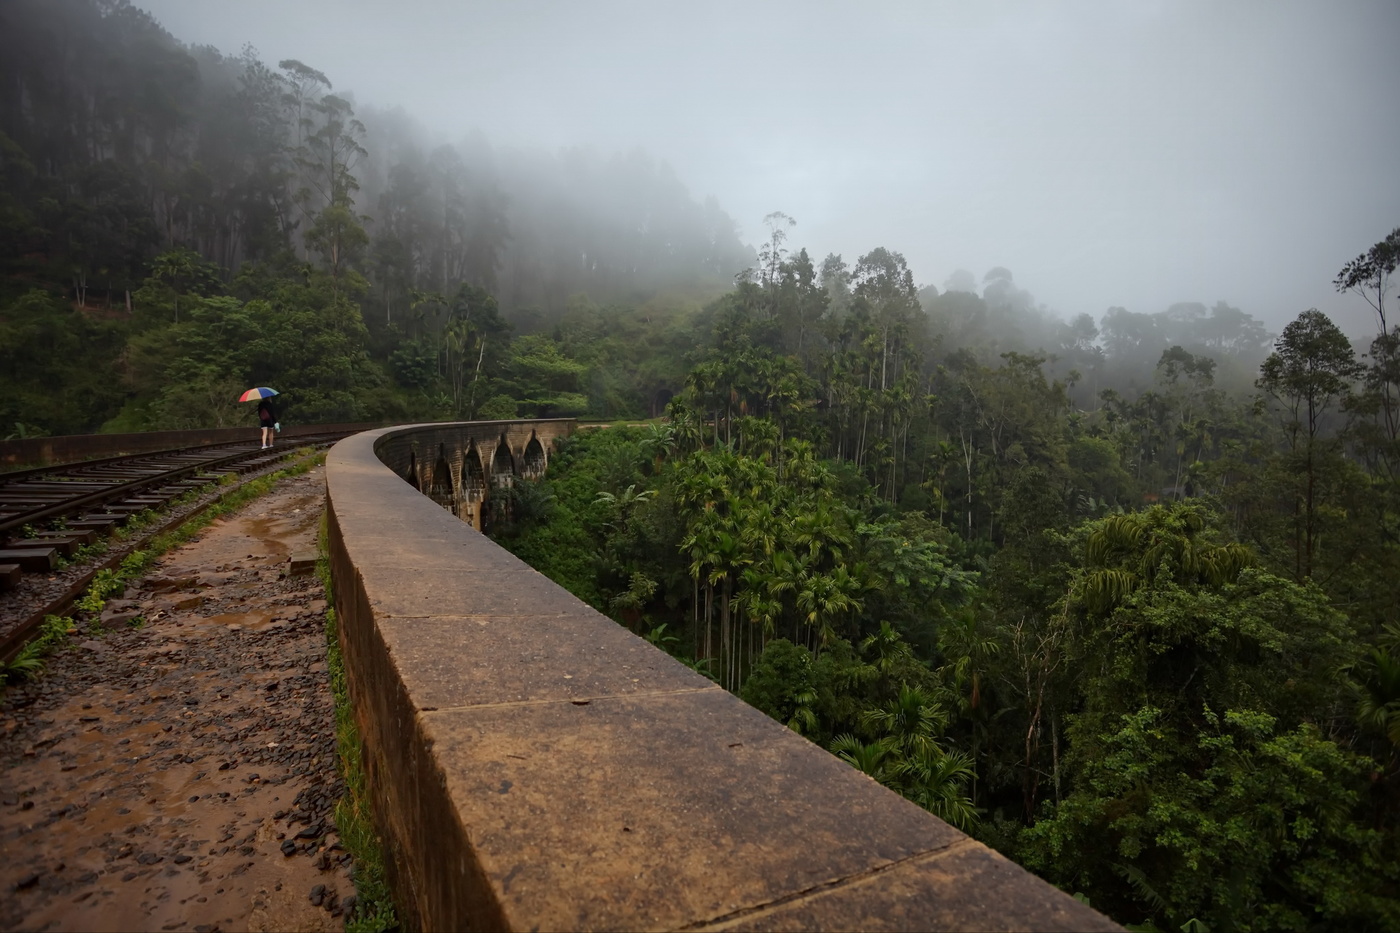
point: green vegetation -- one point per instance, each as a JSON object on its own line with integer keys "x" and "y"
{"x": 1115, "y": 595}
{"x": 1145, "y": 648}
{"x": 216, "y": 222}
{"x": 29, "y": 663}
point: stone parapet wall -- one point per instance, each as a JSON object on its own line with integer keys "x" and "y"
{"x": 534, "y": 765}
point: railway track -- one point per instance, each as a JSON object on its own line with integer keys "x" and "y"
{"x": 49, "y": 515}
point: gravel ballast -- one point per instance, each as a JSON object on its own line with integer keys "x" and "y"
{"x": 175, "y": 765}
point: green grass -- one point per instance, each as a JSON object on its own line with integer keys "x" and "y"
{"x": 374, "y": 909}
{"x": 30, "y": 662}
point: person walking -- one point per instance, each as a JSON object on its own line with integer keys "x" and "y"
{"x": 267, "y": 420}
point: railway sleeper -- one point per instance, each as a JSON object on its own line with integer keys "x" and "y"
{"x": 81, "y": 536}
{"x": 9, "y": 576}
{"x": 31, "y": 560}
{"x": 65, "y": 546}
{"x": 122, "y": 510}
{"x": 102, "y": 526}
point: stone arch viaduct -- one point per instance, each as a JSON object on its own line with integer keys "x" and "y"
{"x": 535, "y": 766}
{"x": 464, "y": 467}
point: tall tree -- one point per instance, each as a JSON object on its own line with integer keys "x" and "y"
{"x": 1369, "y": 275}
{"x": 1311, "y": 369}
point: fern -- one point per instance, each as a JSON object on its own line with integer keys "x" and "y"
{"x": 1135, "y": 877}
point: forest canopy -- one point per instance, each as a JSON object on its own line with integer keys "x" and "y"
{"x": 176, "y": 221}
{"x": 1113, "y": 593}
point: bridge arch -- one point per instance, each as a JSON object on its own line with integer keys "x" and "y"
{"x": 534, "y": 462}
{"x": 441, "y": 486}
{"x": 502, "y": 464}
{"x": 473, "y": 486}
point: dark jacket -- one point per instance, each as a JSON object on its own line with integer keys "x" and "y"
{"x": 266, "y": 416}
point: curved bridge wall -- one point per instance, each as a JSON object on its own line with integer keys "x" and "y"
{"x": 534, "y": 765}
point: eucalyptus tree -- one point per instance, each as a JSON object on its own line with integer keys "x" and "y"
{"x": 400, "y": 240}
{"x": 465, "y": 220}
{"x": 302, "y": 88}
{"x": 834, "y": 276}
{"x": 803, "y": 302}
{"x": 260, "y": 207}
{"x": 478, "y": 336}
{"x": 770, "y": 256}
{"x": 883, "y": 280}
{"x": 1003, "y": 419}
{"x": 328, "y": 155}
{"x": 1370, "y": 276}
{"x": 1187, "y": 385}
{"x": 1310, "y": 371}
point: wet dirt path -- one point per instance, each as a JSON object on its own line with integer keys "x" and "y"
{"x": 180, "y": 775}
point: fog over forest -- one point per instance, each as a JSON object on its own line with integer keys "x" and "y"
{"x": 1108, "y": 154}
{"x": 1004, "y": 397}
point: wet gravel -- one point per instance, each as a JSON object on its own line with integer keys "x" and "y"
{"x": 175, "y": 766}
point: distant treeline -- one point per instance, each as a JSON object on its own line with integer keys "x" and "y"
{"x": 1115, "y": 593}
{"x": 120, "y": 142}
{"x": 176, "y": 223}
{"x": 160, "y": 200}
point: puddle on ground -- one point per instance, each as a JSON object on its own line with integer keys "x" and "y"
{"x": 144, "y": 810}
{"x": 249, "y": 621}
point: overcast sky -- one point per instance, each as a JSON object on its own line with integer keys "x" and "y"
{"x": 1109, "y": 153}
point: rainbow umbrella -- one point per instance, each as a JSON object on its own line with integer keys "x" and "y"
{"x": 259, "y": 392}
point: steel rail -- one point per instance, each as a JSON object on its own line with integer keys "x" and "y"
{"x": 15, "y": 637}
{"x": 118, "y": 491}
{"x": 77, "y": 466}
{"x": 30, "y": 472}
{"x": 166, "y": 475}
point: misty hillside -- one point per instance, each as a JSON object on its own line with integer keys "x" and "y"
{"x": 234, "y": 156}
{"x": 1111, "y": 585}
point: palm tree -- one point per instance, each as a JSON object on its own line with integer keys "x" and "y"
{"x": 1379, "y": 682}
{"x": 1128, "y": 551}
{"x": 907, "y": 758}
{"x": 866, "y": 757}
{"x": 936, "y": 780}
{"x": 804, "y": 718}
{"x": 824, "y": 597}
{"x": 968, "y": 650}
{"x": 890, "y": 652}
{"x": 659, "y": 442}
{"x": 687, "y": 433}
{"x": 624, "y": 502}
{"x": 911, "y": 721}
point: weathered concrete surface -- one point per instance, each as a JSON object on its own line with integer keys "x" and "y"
{"x": 536, "y": 766}
{"x": 965, "y": 886}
